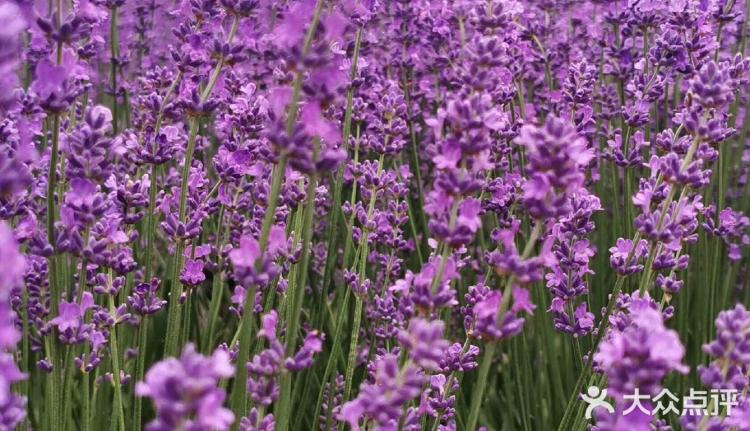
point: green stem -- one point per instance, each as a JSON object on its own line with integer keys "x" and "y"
{"x": 153, "y": 187}
{"x": 414, "y": 159}
{"x": 165, "y": 101}
{"x": 332, "y": 358}
{"x": 51, "y": 204}
{"x": 151, "y": 225}
{"x": 352, "y": 358}
{"x": 217, "y": 284}
{"x": 238, "y": 398}
{"x": 86, "y": 402}
{"x": 116, "y": 368}
{"x": 52, "y": 394}
{"x": 662, "y": 217}
{"x": 174, "y": 319}
{"x": 335, "y": 214}
{"x": 297, "y": 294}
{"x": 362, "y": 252}
{"x": 449, "y": 387}
{"x": 477, "y": 395}
{"x": 67, "y": 386}
{"x": 628, "y": 187}
{"x": 93, "y": 400}
{"x": 139, "y": 371}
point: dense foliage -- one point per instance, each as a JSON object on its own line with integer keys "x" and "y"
{"x": 373, "y": 214}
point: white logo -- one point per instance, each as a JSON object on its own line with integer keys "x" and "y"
{"x": 596, "y": 398}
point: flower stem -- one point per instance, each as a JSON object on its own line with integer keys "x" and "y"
{"x": 352, "y": 358}
{"x": 477, "y": 395}
{"x": 139, "y": 371}
{"x": 153, "y": 187}
{"x": 216, "y": 285}
{"x": 362, "y": 252}
{"x": 174, "y": 320}
{"x": 332, "y": 358}
{"x": 114, "y": 352}
{"x": 296, "y": 294}
{"x": 53, "y": 395}
{"x": 336, "y": 214}
{"x": 151, "y": 225}
{"x": 238, "y": 398}
{"x": 86, "y": 401}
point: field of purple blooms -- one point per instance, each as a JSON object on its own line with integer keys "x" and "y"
{"x": 374, "y": 215}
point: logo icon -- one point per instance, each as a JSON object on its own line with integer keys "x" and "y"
{"x": 595, "y": 398}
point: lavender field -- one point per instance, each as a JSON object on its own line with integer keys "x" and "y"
{"x": 374, "y": 215}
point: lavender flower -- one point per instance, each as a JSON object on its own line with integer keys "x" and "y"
{"x": 424, "y": 342}
{"x": 382, "y": 399}
{"x": 730, "y": 351}
{"x": 641, "y": 354}
{"x": 12, "y": 23}
{"x": 556, "y": 155}
{"x": 185, "y": 393}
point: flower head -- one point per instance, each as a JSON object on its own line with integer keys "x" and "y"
{"x": 185, "y": 393}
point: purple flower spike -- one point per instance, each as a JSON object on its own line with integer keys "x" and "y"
{"x": 556, "y": 156}
{"x": 641, "y": 354}
{"x": 383, "y": 399}
{"x": 185, "y": 393}
{"x": 192, "y": 274}
{"x": 424, "y": 342}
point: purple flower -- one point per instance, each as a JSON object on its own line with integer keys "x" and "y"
{"x": 624, "y": 258}
{"x": 730, "y": 351}
{"x": 303, "y": 359}
{"x": 51, "y": 86}
{"x": 469, "y": 215}
{"x": 192, "y": 273}
{"x": 456, "y": 358}
{"x": 265, "y": 367}
{"x": 247, "y": 269}
{"x": 486, "y": 315}
{"x": 740, "y": 417}
{"x": 734, "y": 229}
{"x": 14, "y": 264}
{"x": 144, "y": 299}
{"x": 383, "y": 398}
{"x": 185, "y": 393}
{"x": 253, "y": 422}
{"x": 711, "y": 87}
{"x": 419, "y": 287}
{"x": 641, "y": 354}
{"x": 247, "y": 253}
{"x": 556, "y": 156}
{"x": 12, "y": 406}
{"x": 84, "y": 204}
{"x": 424, "y": 342}
{"x": 9, "y": 334}
{"x": 506, "y": 259}
{"x": 70, "y": 321}
{"x": 11, "y": 25}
